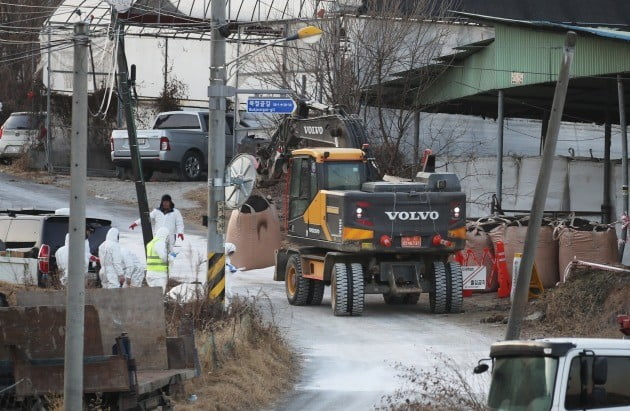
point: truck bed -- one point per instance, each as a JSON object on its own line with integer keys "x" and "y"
{"x": 18, "y": 270}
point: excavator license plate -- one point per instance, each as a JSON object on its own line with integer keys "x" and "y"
{"x": 412, "y": 241}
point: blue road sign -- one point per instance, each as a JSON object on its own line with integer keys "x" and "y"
{"x": 270, "y": 105}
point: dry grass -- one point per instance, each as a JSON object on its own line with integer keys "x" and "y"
{"x": 585, "y": 306}
{"x": 245, "y": 362}
{"x": 444, "y": 387}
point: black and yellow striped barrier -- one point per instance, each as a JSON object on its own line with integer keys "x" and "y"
{"x": 216, "y": 276}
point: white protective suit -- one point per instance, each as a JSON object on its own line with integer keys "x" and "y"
{"x": 112, "y": 269}
{"x": 172, "y": 220}
{"x": 157, "y": 278}
{"x": 230, "y": 271}
{"x": 62, "y": 257}
{"x": 134, "y": 268}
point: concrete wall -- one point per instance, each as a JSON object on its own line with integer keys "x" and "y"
{"x": 576, "y": 184}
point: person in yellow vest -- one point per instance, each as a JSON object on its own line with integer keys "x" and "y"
{"x": 157, "y": 260}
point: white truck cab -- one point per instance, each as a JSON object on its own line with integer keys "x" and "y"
{"x": 560, "y": 374}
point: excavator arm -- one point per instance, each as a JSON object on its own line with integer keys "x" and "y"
{"x": 333, "y": 127}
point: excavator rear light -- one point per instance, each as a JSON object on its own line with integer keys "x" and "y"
{"x": 361, "y": 214}
{"x": 438, "y": 240}
{"x": 385, "y": 241}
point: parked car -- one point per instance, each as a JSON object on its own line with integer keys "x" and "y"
{"x": 18, "y": 131}
{"x": 178, "y": 141}
{"x": 30, "y": 238}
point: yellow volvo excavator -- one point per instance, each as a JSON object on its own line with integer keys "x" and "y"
{"x": 369, "y": 237}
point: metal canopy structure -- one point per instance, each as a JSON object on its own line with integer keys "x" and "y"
{"x": 521, "y": 60}
{"x": 186, "y": 19}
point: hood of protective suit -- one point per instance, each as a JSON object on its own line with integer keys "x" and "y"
{"x": 112, "y": 235}
{"x": 67, "y": 243}
{"x": 162, "y": 233}
{"x": 229, "y": 248}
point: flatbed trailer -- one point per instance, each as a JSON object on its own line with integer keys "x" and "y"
{"x": 124, "y": 372}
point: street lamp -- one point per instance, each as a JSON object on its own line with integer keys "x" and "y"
{"x": 308, "y": 34}
{"x": 217, "y": 94}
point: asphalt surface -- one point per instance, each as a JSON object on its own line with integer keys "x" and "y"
{"x": 349, "y": 363}
{"x": 353, "y": 363}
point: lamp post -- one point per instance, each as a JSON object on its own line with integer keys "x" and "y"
{"x": 218, "y": 91}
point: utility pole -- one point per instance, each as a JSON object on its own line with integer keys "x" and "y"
{"x": 49, "y": 166}
{"x": 624, "y": 160}
{"x": 217, "y": 93}
{"x": 500, "y": 125}
{"x": 136, "y": 162}
{"x": 521, "y": 293}
{"x": 416, "y": 144}
{"x": 75, "y": 298}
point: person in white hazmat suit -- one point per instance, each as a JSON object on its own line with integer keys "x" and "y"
{"x": 157, "y": 260}
{"x": 134, "y": 268}
{"x": 112, "y": 268}
{"x": 230, "y": 271}
{"x": 62, "y": 257}
{"x": 166, "y": 215}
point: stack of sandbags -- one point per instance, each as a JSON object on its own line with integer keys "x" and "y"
{"x": 479, "y": 243}
{"x": 255, "y": 231}
{"x": 497, "y": 233}
{"x": 587, "y": 241}
{"x": 546, "y": 257}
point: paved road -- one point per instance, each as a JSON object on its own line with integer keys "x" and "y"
{"x": 17, "y": 192}
{"x": 348, "y": 363}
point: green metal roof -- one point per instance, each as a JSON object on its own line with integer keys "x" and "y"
{"x": 523, "y": 60}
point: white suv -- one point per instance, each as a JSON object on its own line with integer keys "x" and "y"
{"x": 20, "y": 130}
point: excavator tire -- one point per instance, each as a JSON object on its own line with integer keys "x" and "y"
{"x": 316, "y": 295}
{"x": 297, "y": 287}
{"x": 347, "y": 290}
{"x": 455, "y": 298}
{"x": 438, "y": 294}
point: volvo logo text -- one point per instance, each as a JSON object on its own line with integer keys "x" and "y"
{"x": 412, "y": 215}
{"x": 313, "y": 130}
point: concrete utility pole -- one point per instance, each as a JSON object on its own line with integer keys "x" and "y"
{"x": 416, "y": 144}
{"x": 624, "y": 159}
{"x": 49, "y": 166}
{"x": 521, "y": 293}
{"x": 500, "y": 125}
{"x": 217, "y": 93}
{"x": 75, "y": 298}
{"x": 136, "y": 162}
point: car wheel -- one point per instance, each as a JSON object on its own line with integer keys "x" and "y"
{"x": 190, "y": 166}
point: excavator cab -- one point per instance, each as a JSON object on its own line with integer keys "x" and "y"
{"x": 316, "y": 169}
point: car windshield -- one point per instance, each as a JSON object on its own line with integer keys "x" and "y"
{"x": 20, "y": 233}
{"x": 344, "y": 175}
{"x": 21, "y": 122}
{"x": 522, "y": 383}
{"x": 185, "y": 121}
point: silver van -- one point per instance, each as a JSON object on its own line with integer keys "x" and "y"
{"x": 18, "y": 132}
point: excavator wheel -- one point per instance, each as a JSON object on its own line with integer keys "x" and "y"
{"x": 316, "y": 295}
{"x": 347, "y": 289}
{"x": 438, "y": 294}
{"x": 297, "y": 287}
{"x": 455, "y": 298}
